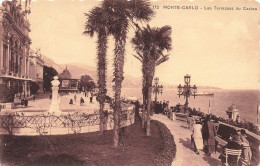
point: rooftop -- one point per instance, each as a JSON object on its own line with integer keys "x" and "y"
{"x": 65, "y": 74}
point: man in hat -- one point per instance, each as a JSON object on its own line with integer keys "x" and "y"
{"x": 209, "y": 133}
{"x": 233, "y": 143}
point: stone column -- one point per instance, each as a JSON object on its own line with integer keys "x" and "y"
{"x": 55, "y": 102}
{"x": 1, "y": 55}
{"x": 28, "y": 89}
{"x": 7, "y": 58}
{"x": 24, "y": 88}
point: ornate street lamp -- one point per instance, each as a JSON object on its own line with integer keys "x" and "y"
{"x": 156, "y": 80}
{"x": 187, "y": 79}
{"x": 157, "y": 89}
{"x": 187, "y": 90}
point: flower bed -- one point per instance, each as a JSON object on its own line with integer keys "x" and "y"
{"x": 168, "y": 153}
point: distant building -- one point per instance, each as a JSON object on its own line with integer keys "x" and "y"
{"x": 36, "y": 68}
{"x": 67, "y": 83}
{"x": 14, "y": 47}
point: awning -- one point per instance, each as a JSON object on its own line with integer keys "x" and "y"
{"x": 15, "y": 78}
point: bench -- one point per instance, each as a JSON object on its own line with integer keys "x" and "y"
{"x": 224, "y": 132}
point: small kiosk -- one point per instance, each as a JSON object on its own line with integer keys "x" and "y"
{"x": 233, "y": 113}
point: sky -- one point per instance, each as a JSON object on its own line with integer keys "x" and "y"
{"x": 217, "y": 48}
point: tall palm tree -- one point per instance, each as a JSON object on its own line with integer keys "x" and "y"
{"x": 97, "y": 23}
{"x": 122, "y": 13}
{"x": 150, "y": 43}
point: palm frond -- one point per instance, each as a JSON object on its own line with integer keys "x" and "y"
{"x": 162, "y": 59}
{"x": 138, "y": 57}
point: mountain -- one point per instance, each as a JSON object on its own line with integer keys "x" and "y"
{"x": 50, "y": 63}
{"x": 77, "y": 69}
{"x": 130, "y": 81}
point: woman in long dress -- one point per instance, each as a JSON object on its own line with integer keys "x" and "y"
{"x": 197, "y": 136}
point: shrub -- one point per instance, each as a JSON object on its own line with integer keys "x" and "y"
{"x": 6, "y": 94}
{"x": 168, "y": 150}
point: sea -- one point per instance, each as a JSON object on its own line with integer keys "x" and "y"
{"x": 246, "y": 101}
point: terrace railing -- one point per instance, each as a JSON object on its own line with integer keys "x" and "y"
{"x": 26, "y": 124}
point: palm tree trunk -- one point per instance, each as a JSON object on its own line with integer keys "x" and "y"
{"x": 118, "y": 74}
{"x": 144, "y": 111}
{"x": 148, "y": 118}
{"x": 102, "y": 47}
{"x": 145, "y": 73}
{"x": 149, "y": 87}
{"x": 144, "y": 101}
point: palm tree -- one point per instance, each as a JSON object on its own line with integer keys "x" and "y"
{"x": 120, "y": 14}
{"x": 97, "y": 23}
{"x": 150, "y": 43}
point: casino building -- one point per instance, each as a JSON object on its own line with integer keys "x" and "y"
{"x": 67, "y": 83}
{"x": 19, "y": 66}
{"x": 15, "y": 46}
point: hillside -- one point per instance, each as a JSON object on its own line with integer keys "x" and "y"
{"x": 77, "y": 70}
{"x": 130, "y": 81}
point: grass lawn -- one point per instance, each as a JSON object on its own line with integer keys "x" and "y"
{"x": 83, "y": 149}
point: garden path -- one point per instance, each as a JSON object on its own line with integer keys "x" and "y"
{"x": 43, "y": 101}
{"x": 185, "y": 154}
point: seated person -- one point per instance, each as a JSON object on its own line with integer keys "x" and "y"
{"x": 233, "y": 143}
{"x": 71, "y": 101}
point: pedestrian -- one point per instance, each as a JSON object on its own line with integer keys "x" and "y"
{"x": 22, "y": 102}
{"x": 160, "y": 107}
{"x": 71, "y": 101}
{"x": 233, "y": 143}
{"x": 81, "y": 101}
{"x": 75, "y": 98}
{"x": 164, "y": 105}
{"x": 197, "y": 136}
{"x": 247, "y": 153}
{"x": 209, "y": 134}
{"x": 25, "y": 102}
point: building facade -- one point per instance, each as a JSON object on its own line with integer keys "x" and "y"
{"x": 36, "y": 63}
{"x": 14, "y": 47}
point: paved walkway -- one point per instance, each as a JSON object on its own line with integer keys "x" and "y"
{"x": 43, "y": 101}
{"x": 185, "y": 154}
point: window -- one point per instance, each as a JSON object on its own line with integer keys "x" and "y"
{"x": 10, "y": 60}
{"x": 16, "y": 63}
{"x": 4, "y": 56}
{"x": 21, "y": 63}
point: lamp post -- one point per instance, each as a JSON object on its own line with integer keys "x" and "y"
{"x": 187, "y": 90}
{"x": 157, "y": 89}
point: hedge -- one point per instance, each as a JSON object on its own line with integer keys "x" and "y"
{"x": 168, "y": 153}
